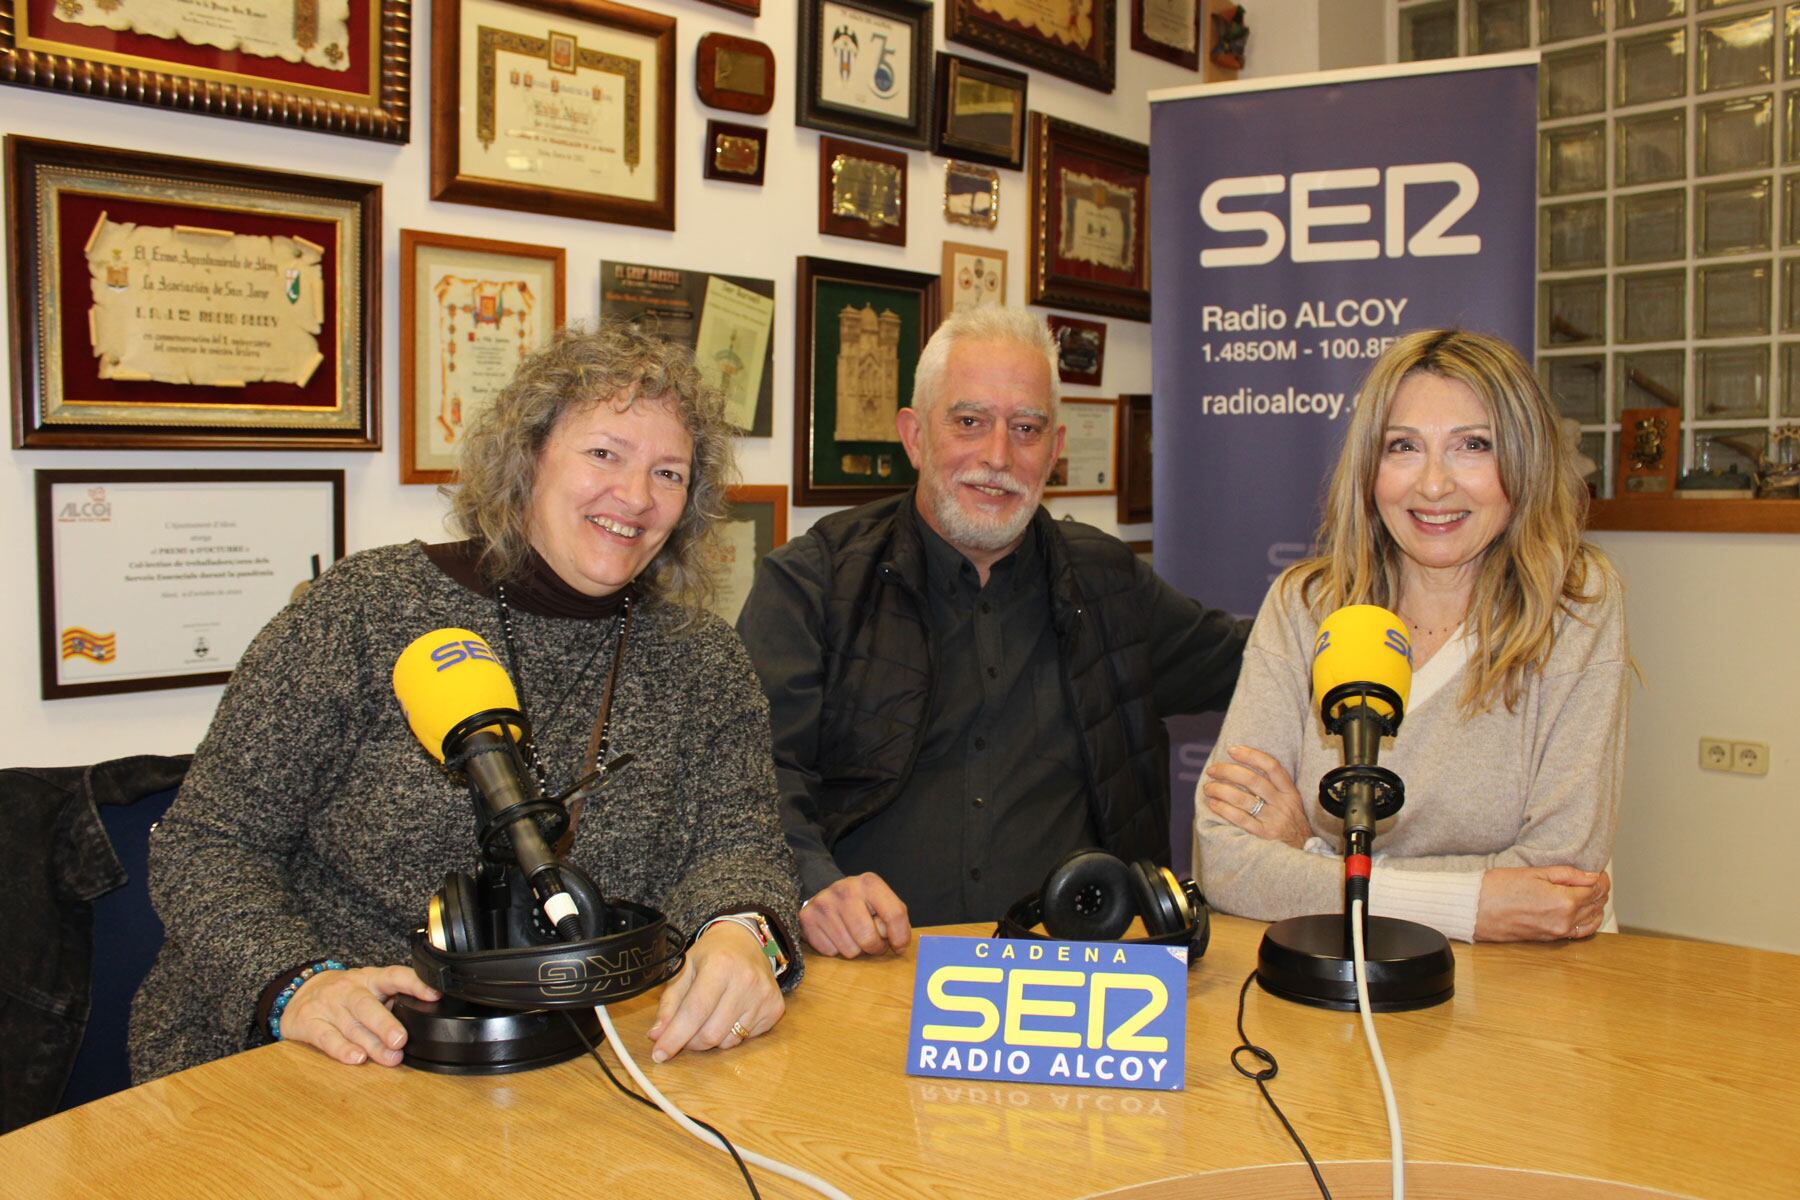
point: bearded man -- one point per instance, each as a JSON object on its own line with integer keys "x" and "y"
{"x": 963, "y": 690}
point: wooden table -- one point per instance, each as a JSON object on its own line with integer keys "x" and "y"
{"x": 1656, "y": 1063}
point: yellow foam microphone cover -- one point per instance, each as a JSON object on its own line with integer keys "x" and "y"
{"x": 1363, "y": 643}
{"x": 445, "y": 677}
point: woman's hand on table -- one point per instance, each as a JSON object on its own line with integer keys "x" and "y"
{"x": 345, "y": 1014}
{"x": 724, "y": 996}
{"x": 1540, "y": 904}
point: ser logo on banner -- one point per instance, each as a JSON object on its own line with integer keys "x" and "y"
{"x": 1095, "y": 1014}
{"x": 1305, "y": 214}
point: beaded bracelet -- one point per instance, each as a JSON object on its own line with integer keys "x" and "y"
{"x": 759, "y": 929}
{"x": 287, "y": 993}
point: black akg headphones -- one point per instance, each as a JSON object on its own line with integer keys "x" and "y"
{"x": 1091, "y": 896}
{"x": 487, "y": 942}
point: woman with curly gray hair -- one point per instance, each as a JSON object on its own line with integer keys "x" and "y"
{"x": 313, "y": 829}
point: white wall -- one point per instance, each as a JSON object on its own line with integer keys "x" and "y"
{"x": 1713, "y": 620}
{"x": 719, "y": 226}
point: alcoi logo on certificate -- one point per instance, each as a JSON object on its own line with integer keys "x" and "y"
{"x": 1091, "y": 1014}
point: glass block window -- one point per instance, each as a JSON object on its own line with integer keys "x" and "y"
{"x": 1668, "y": 207}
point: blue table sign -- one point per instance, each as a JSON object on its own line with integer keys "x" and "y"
{"x": 1092, "y": 1014}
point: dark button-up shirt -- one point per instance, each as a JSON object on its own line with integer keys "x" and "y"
{"x": 996, "y": 797}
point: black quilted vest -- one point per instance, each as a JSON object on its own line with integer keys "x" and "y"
{"x": 879, "y": 672}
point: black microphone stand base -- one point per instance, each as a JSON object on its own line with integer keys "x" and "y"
{"x": 1309, "y": 960}
{"x": 455, "y": 1037}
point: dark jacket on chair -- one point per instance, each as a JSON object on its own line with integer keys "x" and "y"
{"x": 55, "y": 860}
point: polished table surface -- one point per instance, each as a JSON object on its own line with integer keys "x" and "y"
{"x": 1667, "y": 1065}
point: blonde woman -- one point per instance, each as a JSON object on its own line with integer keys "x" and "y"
{"x": 1455, "y": 504}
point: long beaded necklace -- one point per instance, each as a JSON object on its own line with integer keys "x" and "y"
{"x": 620, "y": 625}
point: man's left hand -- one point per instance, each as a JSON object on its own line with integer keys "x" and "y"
{"x": 725, "y": 995}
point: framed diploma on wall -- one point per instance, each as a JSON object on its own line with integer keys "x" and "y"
{"x": 171, "y": 303}
{"x": 1087, "y": 466}
{"x": 755, "y": 524}
{"x": 858, "y": 333}
{"x": 1070, "y": 38}
{"x": 980, "y": 112}
{"x": 1167, "y": 29}
{"x": 1090, "y": 196}
{"x": 341, "y": 66}
{"x": 555, "y": 106}
{"x": 471, "y": 309}
{"x": 159, "y": 579}
{"x": 865, "y": 69}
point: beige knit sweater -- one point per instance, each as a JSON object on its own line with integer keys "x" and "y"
{"x": 1538, "y": 786}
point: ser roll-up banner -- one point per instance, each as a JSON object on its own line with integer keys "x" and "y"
{"x": 1300, "y": 225}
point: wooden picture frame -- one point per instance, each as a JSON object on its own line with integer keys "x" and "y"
{"x": 756, "y": 523}
{"x": 865, "y": 69}
{"x": 751, "y": 8}
{"x": 971, "y": 277}
{"x": 727, "y": 320}
{"x": 147, "y": 582}
{"x": 492, "y": 60}
{"x": 1135, "y": 505}
{"x": 971, "y": 195}
{"x": 1080, "y": 349}
{"x": 354, "y": 80}
{"x": 846, "y": 311}
{"x": 485, "y": 302}
{"x": 862, "y": 191}
{"x": 1089, "y": 462}
{"x": 980, "y": 112}
{"x": 735, "y": 73}
{"x": 266, "y": 333}
{"x": 1169, "y": 30}
{"x": 1090, "y": 209}
{"x": 736, "y": 153}
{"x": 1021, "y": 31}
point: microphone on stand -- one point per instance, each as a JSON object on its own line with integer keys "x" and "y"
{"x": 1362, "y": 677}
{"x": 461, "y": 704}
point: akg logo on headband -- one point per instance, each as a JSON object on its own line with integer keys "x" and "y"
{"x": 451, "y": 653}
{"x": 595, "y": 972}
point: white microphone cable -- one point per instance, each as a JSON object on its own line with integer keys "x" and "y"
{"x": 803, "y": 1178}
{"x": 1381, "y": 1072}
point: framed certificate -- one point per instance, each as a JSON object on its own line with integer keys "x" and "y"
{"x": 755, "y": 525}
{"x": 337, "y": 66}
{"x": 729, "y": 320}
{"x": 171, "y": 303}
{"x": 972, "y": 277}
{"x": 865, "y": 69}
{"x": 159, "y": 579}
{"x": 555, "y": 106}
{"x": 980, "y": 112}
{"x": 471, "y": 309}
{"x": 1090, "y": 195}
{"x": 1070, "y": 38}
{"x": 1087, "y": 466}
{"x": 862, "y": 191}
{"x": 1167, "y": 29}
{"x": 858, "y": 334}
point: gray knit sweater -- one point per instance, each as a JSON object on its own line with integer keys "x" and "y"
{"x": 314, "y": 825}
{"x": 1537, "y": 786}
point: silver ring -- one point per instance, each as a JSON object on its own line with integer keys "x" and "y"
{"x": 737, "y": 1027}
{"x": 1258, "y": 806}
